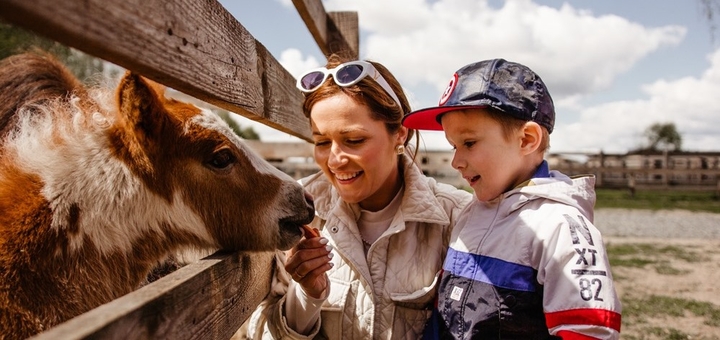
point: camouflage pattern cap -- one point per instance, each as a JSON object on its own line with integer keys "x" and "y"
{"x": 499, "y": 84}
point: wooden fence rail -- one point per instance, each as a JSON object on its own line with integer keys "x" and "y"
{"x": 198, "y": 48}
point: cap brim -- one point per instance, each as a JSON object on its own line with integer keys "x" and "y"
{"x": 427, "y": 119}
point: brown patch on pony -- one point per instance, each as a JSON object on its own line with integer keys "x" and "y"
{"x": 44, "y": 279}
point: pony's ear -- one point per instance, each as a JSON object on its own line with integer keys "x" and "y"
{"x": 140, "y": 104}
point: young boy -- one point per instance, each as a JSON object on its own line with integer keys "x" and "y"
{"x": 525, "y": 260}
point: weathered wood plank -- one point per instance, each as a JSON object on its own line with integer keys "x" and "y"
{"x": 313, "y": 14}
{"x": 331, "y": 36}
{"x": 195, "y": 47}
{"x": 205, "y": 300}
{"x": 343, "y": 33}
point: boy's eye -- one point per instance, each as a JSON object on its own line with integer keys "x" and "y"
{"x": 469, "y": 144}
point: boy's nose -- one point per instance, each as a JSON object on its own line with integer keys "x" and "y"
{"x": 457, "y": 162}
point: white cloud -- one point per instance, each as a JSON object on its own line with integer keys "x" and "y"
{"x": 690, "y": 103}
{"x": 574, "y": 51}
{"x": 286, "y": 3}
{"x": 293, "y": 61}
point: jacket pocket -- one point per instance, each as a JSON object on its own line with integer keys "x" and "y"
{"x": 413, "y": 309}
{"x": 333, "y": 309}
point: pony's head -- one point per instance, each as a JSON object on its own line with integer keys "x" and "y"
{"x": 136, "y": 165}
{"x": 97, "y": 186}
{"x": 189, "y": 157}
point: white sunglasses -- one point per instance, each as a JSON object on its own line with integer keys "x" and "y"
{"x": 346, "y": 74}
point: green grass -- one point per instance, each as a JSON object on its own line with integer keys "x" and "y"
{"x": 658, "y": 199}
{"x": 642, "y": 311}
{"x": 663, "y": 333}
{"x": 635, "y": 310}
{"x": 639, "y": 255}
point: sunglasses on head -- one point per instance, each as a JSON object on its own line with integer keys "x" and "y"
{"x": 346, "y": 74}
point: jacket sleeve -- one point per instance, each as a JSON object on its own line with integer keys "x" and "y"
{"x": 268, "y": 321}
{"x": 579, "y": 299}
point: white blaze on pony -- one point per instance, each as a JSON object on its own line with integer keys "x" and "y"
{"x": 96, "y": 189}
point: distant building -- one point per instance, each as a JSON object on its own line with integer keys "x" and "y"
{"x": 643, "y": 168}
{"x": 296, "y": 159}
{"x": 648, "y": 169}
{"x": 292, "y": 158}
{"x": 438, "y": 164}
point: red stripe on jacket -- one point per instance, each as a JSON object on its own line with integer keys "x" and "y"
{"x": 586, "y": 316}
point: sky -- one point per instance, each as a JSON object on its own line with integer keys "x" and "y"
{"x": 613, "y": 67}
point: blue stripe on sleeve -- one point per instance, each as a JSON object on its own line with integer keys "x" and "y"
{"x": 490, "y": 270}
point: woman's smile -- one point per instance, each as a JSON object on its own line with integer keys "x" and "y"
{"x": 346, "y": 176}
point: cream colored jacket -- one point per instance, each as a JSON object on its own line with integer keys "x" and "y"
{"x": 390, "y": 293}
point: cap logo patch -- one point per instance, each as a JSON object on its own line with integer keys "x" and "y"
{"x": 449, "y": 90}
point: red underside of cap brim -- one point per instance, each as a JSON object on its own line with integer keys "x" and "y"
{"x": 426, "y": 119}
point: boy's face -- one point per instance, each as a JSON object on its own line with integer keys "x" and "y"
{"x": 489, "y": 161}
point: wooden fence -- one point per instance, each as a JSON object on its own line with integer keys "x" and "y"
{"x": 198, "y": 48}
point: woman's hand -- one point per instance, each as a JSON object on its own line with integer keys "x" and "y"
{"x": 308, "y": 261}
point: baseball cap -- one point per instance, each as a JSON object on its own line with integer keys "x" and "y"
{"x": 499, "y": 84}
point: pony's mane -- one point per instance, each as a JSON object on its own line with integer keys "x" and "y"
{"x": 64, "y": 143}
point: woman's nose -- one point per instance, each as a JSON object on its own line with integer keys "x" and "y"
{"x": 337, "y": 157}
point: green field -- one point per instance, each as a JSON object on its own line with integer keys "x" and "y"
{"x": 658, "y": 199}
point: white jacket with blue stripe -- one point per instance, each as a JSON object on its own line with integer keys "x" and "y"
{"x": 530, "y": 265}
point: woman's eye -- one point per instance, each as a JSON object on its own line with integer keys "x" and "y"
{"x": 355, "y": 141}
{"x": 469, "y": 144}
{"x": 321, "y": 143}
{"x": 222, "y": 159}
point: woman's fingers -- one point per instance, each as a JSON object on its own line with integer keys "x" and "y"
{"x": 308, "y": 255}
{"x": 305, "y": 268}
{"x": 315, "y": 282}
{"x": 307, "y": 264}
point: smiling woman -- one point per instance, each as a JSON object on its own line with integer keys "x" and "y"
{"x": 384, "y": 226}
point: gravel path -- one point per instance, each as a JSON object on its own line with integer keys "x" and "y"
{"x": 662, "y": 223}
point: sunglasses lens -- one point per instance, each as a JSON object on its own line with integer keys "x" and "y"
{"x": 348, "y": 74}
{"x": 312, "y": 80}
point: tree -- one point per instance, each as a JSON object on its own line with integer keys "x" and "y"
{"x": 663, "y": 136}
{"x": 245, "y": 133}
{"x": 14, "y": 40}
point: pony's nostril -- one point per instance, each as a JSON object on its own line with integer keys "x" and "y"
{"x": 309, "y": 198}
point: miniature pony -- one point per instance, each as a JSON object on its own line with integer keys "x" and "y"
{"x": 96, "y": 188}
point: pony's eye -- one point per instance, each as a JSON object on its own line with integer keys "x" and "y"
{"x": 222, "y": 159}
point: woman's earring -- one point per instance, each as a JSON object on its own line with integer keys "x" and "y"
{"x": 400, "y": 149}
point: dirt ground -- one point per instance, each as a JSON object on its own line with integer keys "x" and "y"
{"x": 664, "y": 278}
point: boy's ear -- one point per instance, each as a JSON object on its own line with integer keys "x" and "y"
{"x": 531, "y": 138}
